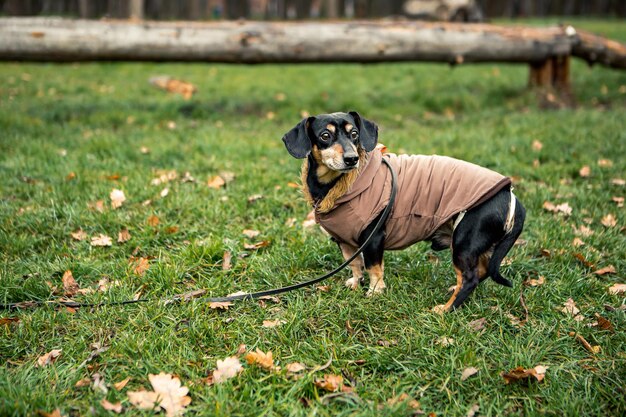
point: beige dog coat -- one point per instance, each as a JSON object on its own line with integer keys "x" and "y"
{"x": 431, "y": 190}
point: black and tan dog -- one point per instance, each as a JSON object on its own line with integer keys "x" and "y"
{"x": 451, "y": 203}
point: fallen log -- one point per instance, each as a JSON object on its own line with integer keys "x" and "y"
{"x": 57, "y": 39}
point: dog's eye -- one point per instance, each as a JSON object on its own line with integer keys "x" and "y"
{"x": 354, "y": 135}
{"x": 325, "y": 136}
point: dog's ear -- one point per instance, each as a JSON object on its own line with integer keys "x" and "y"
{"x": 368, "y": 131}
{"x": 297, "y": 139}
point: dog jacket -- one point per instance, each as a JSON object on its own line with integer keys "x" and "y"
{"x": 431, "y": 190}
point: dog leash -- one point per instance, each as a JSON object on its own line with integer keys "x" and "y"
{"x": 246, "y": 296}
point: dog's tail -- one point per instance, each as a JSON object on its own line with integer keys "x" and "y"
{"x": 506, "y": 243}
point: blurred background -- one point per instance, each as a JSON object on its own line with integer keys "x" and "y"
{"x": 451, "y": 10}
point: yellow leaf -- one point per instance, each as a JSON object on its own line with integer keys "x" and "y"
{"x": 101, "y": 240}
{"x": 226, "y": 369}
{"x": 79, "y": 235}
{"x": 258, "y": 357}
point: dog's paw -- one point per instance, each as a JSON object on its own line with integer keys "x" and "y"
{"x": 440, "y": 309}
{"x": 376, "y": 290}
{"x": 353, "y": 283}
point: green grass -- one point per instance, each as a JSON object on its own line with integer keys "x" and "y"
{"x": 92, "y": 119}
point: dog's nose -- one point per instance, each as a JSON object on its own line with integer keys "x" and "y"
{"x": 351, "y": 160}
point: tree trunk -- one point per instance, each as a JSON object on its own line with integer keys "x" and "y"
{"x": 136, "y": 9}
{"x": 54, "y": 39}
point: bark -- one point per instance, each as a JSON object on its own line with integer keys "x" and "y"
{"x": 53, "y": 39}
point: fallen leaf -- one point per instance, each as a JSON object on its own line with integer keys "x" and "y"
{"x": 168, "y": 394}
{"x": 569, "y": 308}
{"x": 563, "y": 208}
{"x": 618, "y": 181}
{"x": 592, "y": 349}
{"x": 521, "y": 374}
{"x": 164, "y": 192}
{"x": 273, "y": 323}
{"x": 226, "y": 369}
{"x": 291, "y": 222}
{"x": 55, "y": 413}
{"x": 99, "y": 384}
{"x": 70, "y": 286}
{"x": 5, "y": 321}
{"x": 295, "y": 367}
{"x": 477, "y": 325}
{"x": 116, "y": 408}
{"x": 609, "y": 221}
{"x": 604, "y": 324}
{"x": 583, "y": 230}
{"x": 577, "y": 242}
{"x": 445, "y": 341}
{"x": 144, "y": 150}
{"x": 585, "y": 171}
{"x": 140, "y": 265}
{"x": 472, "y": 410}
{"x": 48, "y": 358}
{"x": 605, "y": 163}
{"x": 330, "y": 382}
{"x": 220, "y": 305}
{"x": 467, "y": 372}
{"x": 101, "y": 240}
{"x": 406, "y": 398}
{"x": 251, "y": 233}
{"x": 584, "y": 260}
{"x": 120, "y": 385}
{"x": 536, "y": 282}
{"x": 96, "y": 205}
{"x": 617, "y": 289}
{"x": 537, "y": 145}
{"x": 216, "y": 182}
{"x": 323, "y": 288}
{"x": 123, "y": 236}
{"x": 618, "y": 200}
{"x": 293, "y": 185}
{"x": 79, "y": 235}
{"x": 117, "y": 198}
{"x": 260, "y": 358}
{"x": 227, "y": 261}
{"x": 256, "y": 246}
{"x": 187, "y": 177}
{"x": 85, "y": 382}
{"x": 164, "y": 176}
{"x": 153, "y": 221}
{"x": 254, "y": 198}
{"x": 173, "y": 85}
{"x": 606, "y": 270}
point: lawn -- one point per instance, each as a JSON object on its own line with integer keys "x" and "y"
{"x": 70, "y": 134}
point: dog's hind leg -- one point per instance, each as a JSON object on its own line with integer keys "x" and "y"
{"x": 504, "y": 246}
{"x": 356, "y": 265}
{"x": 467, "y": 279}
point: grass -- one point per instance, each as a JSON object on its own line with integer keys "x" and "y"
{"x": 93, "y": 119}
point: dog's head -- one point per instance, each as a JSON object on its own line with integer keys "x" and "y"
{"x": 333, "y": 139}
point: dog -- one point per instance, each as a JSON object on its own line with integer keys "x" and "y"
{"x": 450, "y": 203}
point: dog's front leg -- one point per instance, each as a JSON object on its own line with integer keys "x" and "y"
{"x": 356, "y": 265}
{"x": 376, "y": 273}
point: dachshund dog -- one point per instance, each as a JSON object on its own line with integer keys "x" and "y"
{"x": 450, "y": 203}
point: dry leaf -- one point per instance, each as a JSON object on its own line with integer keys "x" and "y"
{"x": 79, "y": 235}
{"x": 404, "y": 397}
{"x": 585, "y": 171}
{"x": 618, "y": 200}
{"x": 295, "y": 367}
{"x": 330, "y": 382}
{"x": 123, "y": 236}
{"x": 164, "y": 192}
{"x": 537, "y": 145}
{"x": 153, "y": 221}
{"x": 226, "y": 369}
{"x": 48, "y": 358}
{"x": 273, "y": 323}
{"x": 99, "y": 384}
{"x": 577, "y": 242}
{"x": 260, "y": 358}
{"x": 609, "y": 221}
{"x": 445, "y": 341}
{"x": 101, "y": 240}
{"x": 606, "y": 270}
{"x": 5, "y": 321}
{"x": 569, "y": 308}
{"x": 258, "y": 245}
{"x": 116, "y": 408}
{"x": 85, "y": 382}
{"x": 120, "y": 385}
{"x": 251, "y": 233}
{"x": 592, "y": 349}
{"x": 220, "y": 305}
{"x": 472, "y": 410}
{"x": 164, "y": 176}
{"x": 467, "y": 372}
{"x": 70, "y": 286}
{"x": 140, "y": 265}
{"x": 605, "y": 163}
{"x": 583, "y": 230}
{"x": 536, "y": 282}
{"x": 254, "y": 198}
{"x": 173, "y": 85}
{"x": 117, "y": 198}
{"x": 604, "y": 324}
{"x": 227, "y": 261}
{"x": 477, "y": 325}
{"x": 144, "y": 150}
{"x": 521, "y": 374}
{"x": 617, "y": 289}
{"x": 323, "y": 288}
{"x": 618, "y": 181}
{"x": 563, "y": 208}
{"x": 216, "y": 182}
{"x": 97, "y": 205}
{"x": 168, "y": 394}
{"x": 583, "y": 260}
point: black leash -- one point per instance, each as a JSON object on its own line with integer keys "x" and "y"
{"x": 247, "y": 296}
